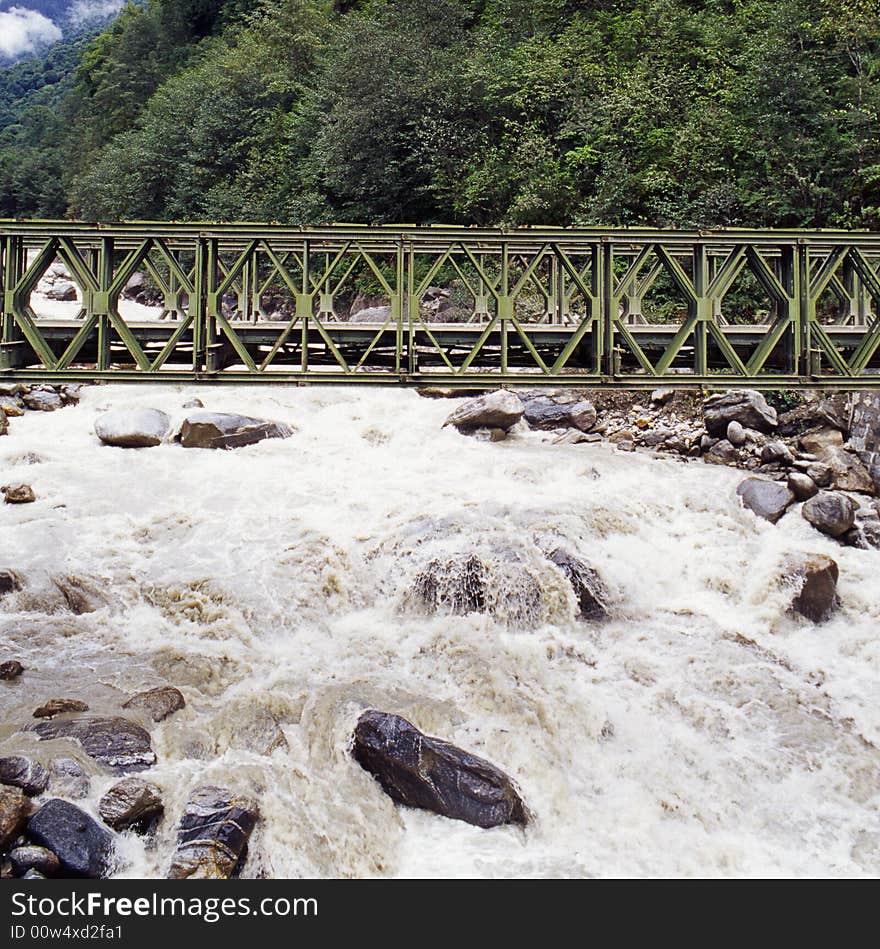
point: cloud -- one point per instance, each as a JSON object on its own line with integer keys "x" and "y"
{"x": 85, "y": 11}
{"x": 23, "y": 31}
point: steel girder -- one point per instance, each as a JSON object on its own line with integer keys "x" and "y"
{"x": 447, "y": 305}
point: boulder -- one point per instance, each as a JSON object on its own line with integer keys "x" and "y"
{"x": 371, "y": 314}
{"x": 745, "y": 406}
{"x": 456, "y": 586}
{"x": 10, "y": 582}
{"x": 83, "y": 847}
{"x": 819, "y": 473}
{"x": 18, "y": 494}
{"x": 226, "y": 431}
{"x": 69, "y": 778}
{"x": 736, "y": 434}
{"x": 34, "y": 858}
{"x": 12, "y": 408}
{"x": 865, "y": 533}
{"x": 419, "y": 771}
{"x": 721, "y": 453}
{"x": 59, "y": 706}
{"x": 213, "y": 835}
{"x": 133, "y": 428}
{"x": 588, "y": 588}
{"x": 662, "y": 395}
{"x": 40, "y": 400}
{"x": 11, "y": 669}
{"x": 499, "y": 409}
{"x": 547, "y": 412}
{"x": 14, "y": 809}
{"x": 832, "y": 514}
{"x": 63, "y": 291}
{"x": 767, "y": 499}
{"x": 815, "y": 577}
{"x": 119, "y": 744}
{"x": 801, "y": 485}
{"x": 818, "y": 442}
{"x": 23, "y": 773}
{"x": 160, "y": 702}
{"x": 777, "y": 451}
{"x": 80, "y": 594}
{"x": 194, "y": 404}
{"x": 132, "y": 804}
{"x": 4, "y": 423}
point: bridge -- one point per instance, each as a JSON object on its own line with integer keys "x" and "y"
{"x": 444, "y": 306}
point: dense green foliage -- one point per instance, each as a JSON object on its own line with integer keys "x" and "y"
{"x": 668, "y": 112}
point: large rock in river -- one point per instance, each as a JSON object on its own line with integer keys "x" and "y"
{"x": 559, "y": 411}
{"x": 14, "y": 809}
{"x": 832, "y": 514}
{"x": 767, "y": 499}
{"x": 587, "y": 585}
{"x": 745, "y": 406}
{"x": 815, "y": 577}
{"x": 499, "y": 409}
{"x": 82, "y": 846}
{"x": 159, "y": 702}
{"x": 23, "y": 773}
{"x": 424, "y": 772}
{"x": 117, "y": 743}
{"x": 133, "y": 428}
{"x": 132, "y": 803}
{"x": 213, "y": 835}
{"x": 220, "y": 430}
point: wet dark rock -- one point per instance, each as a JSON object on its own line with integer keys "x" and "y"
{"x": 499, "y": 409}
{"x": 588, "y": 588}
{"x": 44, "y": 861}
{"x": 18, "y": 494}
{"x": 11, "y": 669}
{"x": 132, "y": 804}
{"x": 25, "y": 774}
{"x": 83, "y": 847}
{"x": 160, "y": 702}
{"x": 213, "y": 835}
{"x": 42, "y": 400}
{"x": 767, "y": 499}
{"x": 69, "y": 778}
{"x": 225, "y": 431}
{"x": 10, "y": 582}
{"x": 4, "y": 423}
{"x": 133, "y": 428}
{"x": 14, "y": 809}
{"x": 194, "y": 404}
{"x": 832, "y": 514}
{"x": 419, "y": 771}
{"x": 745, "y": 406}
{"x": 33, "y": 875}
{"x": 801, "y": 485}
{"x": 71, "y": 394}
{"x": 815, "y": 576}
{"x": 456, "y": 586}
{"x": 548, "y": 412}
{"x": 81, "y": 595}
{"x": 119, "y": 744}
{"x": 59, "y": 707}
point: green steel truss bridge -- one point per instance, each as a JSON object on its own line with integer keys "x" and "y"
{"x": 445, "y": 306}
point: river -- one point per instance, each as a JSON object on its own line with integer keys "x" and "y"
{"x": 700, "y": 730}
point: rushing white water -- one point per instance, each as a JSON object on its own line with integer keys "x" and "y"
{"x": 701, "y": 730}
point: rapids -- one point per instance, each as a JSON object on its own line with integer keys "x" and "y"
{"x": 700, "y": 730}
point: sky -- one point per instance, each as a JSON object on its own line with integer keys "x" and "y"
{"x": 28, "y": 25}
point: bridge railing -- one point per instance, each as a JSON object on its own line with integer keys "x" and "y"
{"x": 435, "y": 304}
